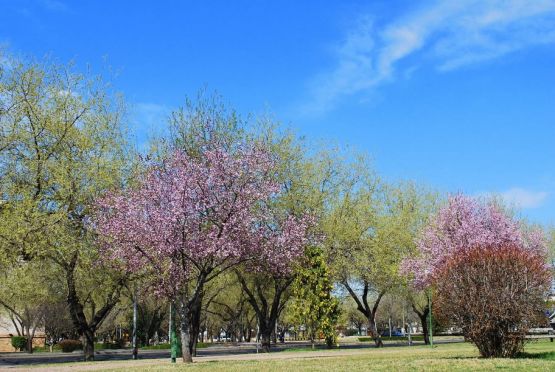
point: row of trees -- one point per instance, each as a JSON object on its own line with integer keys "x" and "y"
{"x": 236, "y": 223}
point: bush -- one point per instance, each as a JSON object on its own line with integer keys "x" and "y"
{"x": 19, "y": 342}
{"x": 70, "y": 345}
{"x": 495, "y": 294}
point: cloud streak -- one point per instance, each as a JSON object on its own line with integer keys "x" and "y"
{"x": 449, "y": 34}
{"x": 522, "y": 198}
{"x": 150, "y": 120}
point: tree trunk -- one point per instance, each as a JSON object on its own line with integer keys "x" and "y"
{"x": 274, "y": 336}
{"x": 190, "y": 322}
{"x": 267, "y": 312}
{"x": 369, "y": 312}
{"x": 187, "y": 350}
{"x": 77, "y": 312}
{"x": 330, "y": 342}
{"x": 265, "y": 337}
{"x": 196, "y": 311}
{"x": 85, "y": 328}
{"x": 424, "y": 321}
{"x": 88, "y": 345}
{"x": 423, "y": 316}
{"x": 30, "y": 345}
{"x": 374, "y": 331}
{"x": 29, "y": 337}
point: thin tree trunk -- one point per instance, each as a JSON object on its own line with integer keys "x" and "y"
{"x": 267, "y": 312}
{"x": 369, "y": 312}
{"x": 423, "y": 316}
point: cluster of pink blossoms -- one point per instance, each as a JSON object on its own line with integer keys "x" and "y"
{"x": 193, "y": 214}
{"x": 463, "y": 224}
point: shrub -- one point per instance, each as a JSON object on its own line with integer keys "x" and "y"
{"x": 495, "y": 293}
{"x": 19, "y": 342}
{"x": 70, "y": 345}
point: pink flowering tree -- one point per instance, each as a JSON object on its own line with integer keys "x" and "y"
{"x": 489, "y": 272}
{"x": 266, "y": 279}
{"x": 189, "y": 220}
{"x": 461, "y": 225}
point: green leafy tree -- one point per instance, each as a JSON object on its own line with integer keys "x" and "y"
{"x": 369, "y": 229}
{"x": 229, "y": 304}
{"x": 306, "y": 182}
{"x": 315, "y": 305}
{"x": 25, "y": 300}
{"x": 61, "y": 146}
{"x": 351, "y": 318}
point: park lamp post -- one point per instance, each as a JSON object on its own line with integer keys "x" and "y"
{"x": 135, "y": 346}
{"x": 175, "y": 342}
{"x": 171, "y": 335}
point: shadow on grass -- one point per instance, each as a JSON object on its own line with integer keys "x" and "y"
{"x": 547, "y": 355}
{"x": 460, "y": 357}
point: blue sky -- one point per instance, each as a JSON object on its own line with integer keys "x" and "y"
{"x": 458, "y": 95}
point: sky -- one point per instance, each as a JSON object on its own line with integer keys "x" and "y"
{"x": 456, "y": 95}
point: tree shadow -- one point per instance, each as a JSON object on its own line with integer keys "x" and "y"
{"x": 549, "y": 355}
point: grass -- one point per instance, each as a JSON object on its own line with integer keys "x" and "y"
{"x": 538, "y": 356}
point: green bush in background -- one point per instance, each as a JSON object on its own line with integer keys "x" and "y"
{"x": 19, "y": 342}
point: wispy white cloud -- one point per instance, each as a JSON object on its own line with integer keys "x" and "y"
{"x": 151, "y": 114}
{"x": 450, "y": 34}
{"x": 54, "y": 5}
{"x": 149, "y": 120}
{"x": 523, "y": 198}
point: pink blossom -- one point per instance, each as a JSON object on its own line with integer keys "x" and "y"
{"x": 461, "y": 225}
{"x": 205, "y": 214}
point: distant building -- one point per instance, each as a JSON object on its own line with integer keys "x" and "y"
{"x": 7, "y": 330}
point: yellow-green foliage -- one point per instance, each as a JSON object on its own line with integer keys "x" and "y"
{"x": 315, "y": 305}
{"x": 61, "y": 146}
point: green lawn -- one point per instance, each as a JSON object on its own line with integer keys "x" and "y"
{"x": 538, "y": 356}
